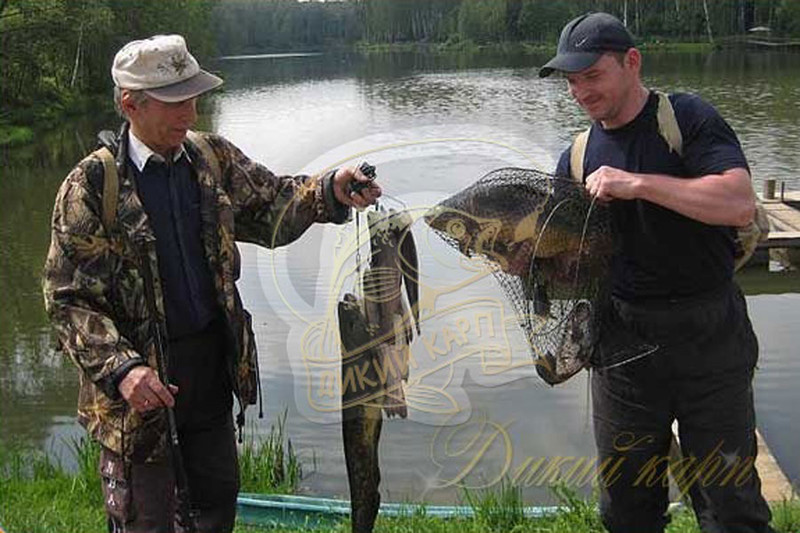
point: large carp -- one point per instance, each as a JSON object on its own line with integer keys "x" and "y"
{"x": 549, "y": 245}
{"x": 518, "y": 224}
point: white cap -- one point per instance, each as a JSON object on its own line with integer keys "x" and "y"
{"x": 163, "y": 68}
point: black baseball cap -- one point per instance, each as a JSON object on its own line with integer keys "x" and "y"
{"x": 584, "y": 39}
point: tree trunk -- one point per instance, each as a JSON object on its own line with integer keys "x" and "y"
{"x": 708, "y": 22}
{"x": 625, "y": 13}
{"x": 78, "y": 52}
{"x": 742, "y": 28}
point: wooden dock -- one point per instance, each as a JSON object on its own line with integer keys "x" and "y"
{"x": 775, "y": 486}
{"x": 784, "y": 220}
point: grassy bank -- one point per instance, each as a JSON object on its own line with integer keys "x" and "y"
{"x": 501, "y": 511}
{"x": 456, "y": 46}
{"x": 514, "y": 47}
{"x": 38, "y": 495}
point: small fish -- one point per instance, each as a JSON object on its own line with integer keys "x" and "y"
{"x": 574, "y": 349}
{"x": 361, "y": 418}
{"x": 393, "y": 264}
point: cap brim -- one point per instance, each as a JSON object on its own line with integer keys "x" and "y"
{"x": 191, "y": 88}
{"x": 569, "y": 62}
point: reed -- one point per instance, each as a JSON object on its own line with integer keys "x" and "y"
{"x": 270, "y": 465}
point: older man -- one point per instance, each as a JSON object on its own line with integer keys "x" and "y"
{"x": 154, "y": 281}
{"x": 677, "y": 342}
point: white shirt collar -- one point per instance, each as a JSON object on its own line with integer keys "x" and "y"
{"x": 140, "y": 153}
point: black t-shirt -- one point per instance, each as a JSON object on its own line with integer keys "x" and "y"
{"x": 662, "y": 253}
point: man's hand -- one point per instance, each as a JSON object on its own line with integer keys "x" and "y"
{"x": 724, "y": 199}
{"x": 342, "y": 181}
{"x": 143, "y": 391}
{"x": 607, "y": 183}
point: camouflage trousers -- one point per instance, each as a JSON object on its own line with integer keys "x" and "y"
{"x": 141, "y": 497}
{"x": 700, "y": 375}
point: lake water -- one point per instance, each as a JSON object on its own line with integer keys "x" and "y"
{"x": 432, "y": 124}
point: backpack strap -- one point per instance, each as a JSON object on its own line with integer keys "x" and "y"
{"x": 199, "y": 140}
{"x": 577, "y": 155}
{"x": 111, "y": 177}
{"x": 747, "y": 237}
{"x": 110, "y": 186}
{"x": 668, "y": 125}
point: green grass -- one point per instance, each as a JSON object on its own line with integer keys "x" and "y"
{"x": 38, "y": 495}
{"x": 500, "y": 510}
{"x": 269, "y": 465}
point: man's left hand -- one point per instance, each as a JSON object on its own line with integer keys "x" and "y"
{"x": 607, "y": 183}
{"x": 342, "y": 182}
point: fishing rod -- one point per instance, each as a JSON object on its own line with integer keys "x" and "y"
{"x": 186, "y": 514}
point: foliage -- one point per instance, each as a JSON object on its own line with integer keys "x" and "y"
{"x": 40, "y": 496}
{"x": 15, "y": 135}
{"x": 270, "y": 466}
{"x": 54, "y": 51}
{"x": 249, "y": 26}
{"x": 497, "y": 510}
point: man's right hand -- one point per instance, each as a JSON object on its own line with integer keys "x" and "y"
{"x": 143, "y": 391}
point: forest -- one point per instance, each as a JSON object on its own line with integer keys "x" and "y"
{"x": 55, "y": 54}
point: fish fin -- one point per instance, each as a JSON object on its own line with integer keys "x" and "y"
{"x": 394, "y": 401}
{"x": 410, "y": 270}
{"x": 431, "y": 400}
{"x": 527, "y": 228}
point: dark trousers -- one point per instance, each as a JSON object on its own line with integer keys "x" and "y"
{"x": 701, "y": 375}
{"x": 207, "y": 444}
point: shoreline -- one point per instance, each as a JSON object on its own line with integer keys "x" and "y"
{"x": 21, "y": 127}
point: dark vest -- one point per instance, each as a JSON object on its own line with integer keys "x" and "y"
{"x": 171, "y": 198}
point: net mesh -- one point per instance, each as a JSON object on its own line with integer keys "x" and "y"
{"x": 549, "y": 247}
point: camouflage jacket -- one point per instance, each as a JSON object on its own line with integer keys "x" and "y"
{"x": 103, "y": 293}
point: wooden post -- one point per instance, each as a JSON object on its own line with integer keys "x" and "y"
{"x": 769, "y": 189}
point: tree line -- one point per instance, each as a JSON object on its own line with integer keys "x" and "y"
{"x": 53, "y": 51}
{"x": 247, "y": 26}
